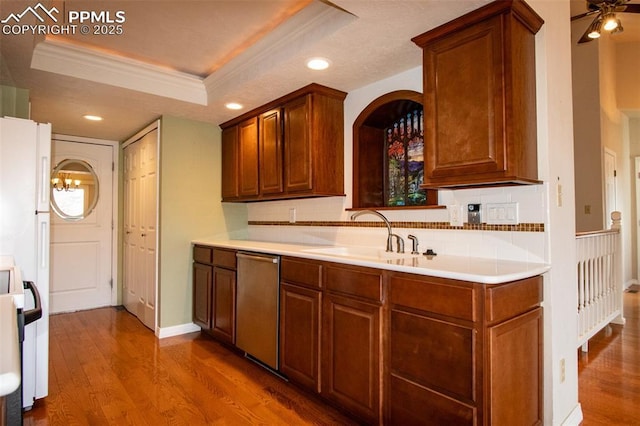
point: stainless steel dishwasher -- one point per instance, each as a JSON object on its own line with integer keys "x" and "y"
{"x": 257, "y": 306}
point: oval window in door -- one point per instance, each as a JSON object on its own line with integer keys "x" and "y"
{"x": 74, "y": 189}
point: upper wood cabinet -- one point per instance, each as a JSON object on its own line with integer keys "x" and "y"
{"x": 479, "y": 98}
{"x": 292, "y": 147}
{"x": 248, "y": 158}
{"x": 270, "y": 156}
{"x": 230, "y": 163}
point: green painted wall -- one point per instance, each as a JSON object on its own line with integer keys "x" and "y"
{"x": 14, "y": 102}
{"x": 190, "y": 208}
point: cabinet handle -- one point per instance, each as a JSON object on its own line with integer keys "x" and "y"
{"x": 143, "y": 235}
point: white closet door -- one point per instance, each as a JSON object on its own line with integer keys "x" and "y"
{"x": 140, "y": 226}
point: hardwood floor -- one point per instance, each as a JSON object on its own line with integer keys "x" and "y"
{"x": 106, "y": 368}
{"x": 609, "y": 374}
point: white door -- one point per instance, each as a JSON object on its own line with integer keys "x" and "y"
{"x": 609, "y": 186}
{"x": 140, "y": 227}
{"x": 81, "y": 244}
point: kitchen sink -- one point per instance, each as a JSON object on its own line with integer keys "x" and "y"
{"x": 361, "y": 253}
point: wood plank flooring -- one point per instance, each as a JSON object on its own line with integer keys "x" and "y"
{"x": 106, "y": 368}
{"x": 609, "y": 374}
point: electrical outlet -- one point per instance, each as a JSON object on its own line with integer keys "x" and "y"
{"x": 292, "y": 215}
{"x": 455, "y": 215}
{"x": 562, "y": 371}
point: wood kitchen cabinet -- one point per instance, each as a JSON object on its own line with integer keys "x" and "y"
{"x": 464, "y": 353}
{"x": 300, "y": 309}
{"x": 214, "y": 292}
{"x": 393, "y": 347}
{"x": 270, "y": 157}
{"x": 479, "y": 98}
{"x": 202, "y": 282}
{"x": 248, "y": 185}
{"x": 230, "y": 163}
{"x": 291, "y": 147}
{"x": 351, "y": 340}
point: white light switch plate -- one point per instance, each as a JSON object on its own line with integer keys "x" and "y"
{"x": 501, "y": 214}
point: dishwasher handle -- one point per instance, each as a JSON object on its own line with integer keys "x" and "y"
{"x": 257, "y": 257}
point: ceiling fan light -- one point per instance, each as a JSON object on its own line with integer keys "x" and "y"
{"x": 610, "y": 22}
{"x": 594, "y": 29}
{"x": 618, "y": 29}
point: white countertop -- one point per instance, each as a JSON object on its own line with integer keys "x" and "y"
{"x": 9, "y": 346}
{"x": 474, "y": 269}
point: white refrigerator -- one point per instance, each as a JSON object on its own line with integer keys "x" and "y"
{"x": 25, "y": 154}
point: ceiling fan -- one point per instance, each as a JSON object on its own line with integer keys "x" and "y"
{"x": 606, "y": 19}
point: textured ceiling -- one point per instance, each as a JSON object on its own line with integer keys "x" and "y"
{"x": 205, "y": 39}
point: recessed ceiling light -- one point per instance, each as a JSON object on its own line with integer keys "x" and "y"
{"x": 318, "y": 63}
{"x": 233, "y": 105}
{"x": 93, "y": 117}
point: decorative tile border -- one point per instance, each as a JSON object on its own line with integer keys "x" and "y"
{"x": 522, "y": 227}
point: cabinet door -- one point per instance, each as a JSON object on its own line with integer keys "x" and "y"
{"x": 464, "y": 103}
{"x": 248, "y": 158}
{"x": 202, "y": 280}
{"x": 223, "y": 315}
{"x": 270, "y": 152}
{"x": 297, "y": 145}
{"x": 300, "y": 335}
{"x": 350, "y": 373}
{"x": 230, "y": 163}
{"x": 515, "y": 371}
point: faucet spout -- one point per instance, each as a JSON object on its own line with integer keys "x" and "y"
{"x": 384, "y": 219}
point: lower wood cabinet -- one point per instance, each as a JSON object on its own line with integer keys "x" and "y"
{"x": 515, "y": 371}
{"x": 300, "y": 335}
{"x": 223, "y": 314}
{"x": 395, "y": 348}
{"x": 214, "y": 292}
{"x": 202, "y": 283}
{"x": 351, "y": 339}
{"x": 351, "y": 364}
{"x": 474, "y": 357}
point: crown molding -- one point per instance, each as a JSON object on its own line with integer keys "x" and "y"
{"x": 80, "y": 62}
{"x": 293, "y": 37}
{"x": 305, "y": 28}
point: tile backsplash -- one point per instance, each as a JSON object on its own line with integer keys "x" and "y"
{"x": 325, "y": 221}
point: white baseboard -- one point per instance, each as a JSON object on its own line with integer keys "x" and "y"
{"x": 176, "y": 330}
{"x": 575, "y": 417}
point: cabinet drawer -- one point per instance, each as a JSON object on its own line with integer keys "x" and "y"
{"x": 224, "y": 258}
{"x": 431, "y": 294}
{"x": 411, "y": 404}
{"x": 302, "y": 272}
{"x": 354, "y": 281}
{"x": 508, "y": 300}
{"x": 433, "y": 353}
{"x": 202, "y": 254}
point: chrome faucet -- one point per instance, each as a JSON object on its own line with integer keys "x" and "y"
{"x": 400, "y": 241}
{"x": 414, "y": 244}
